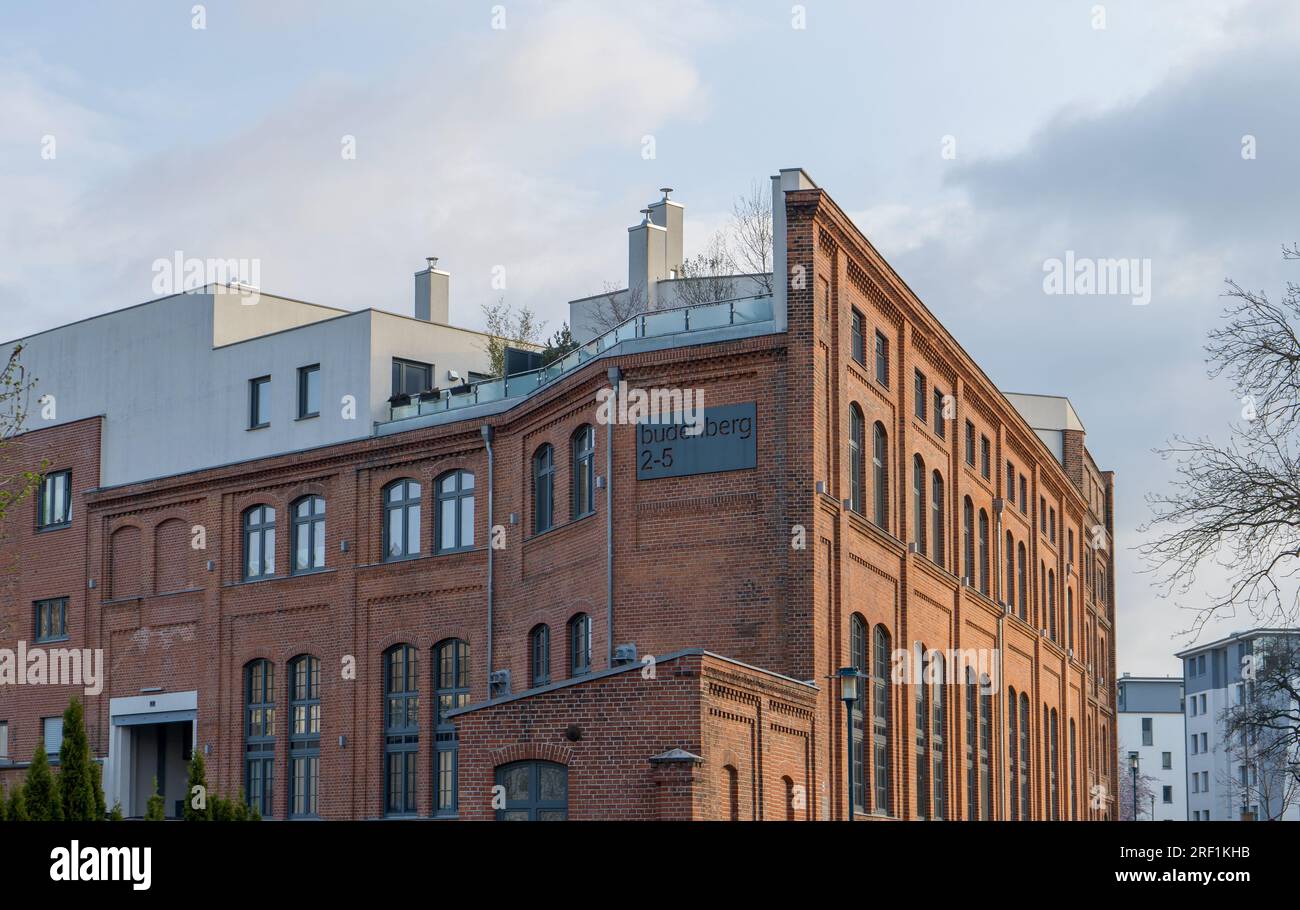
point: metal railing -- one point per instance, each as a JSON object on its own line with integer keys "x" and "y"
{"x": 658, "y": 323}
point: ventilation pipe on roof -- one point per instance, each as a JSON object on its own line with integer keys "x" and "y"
{"x": 433, "y": 293}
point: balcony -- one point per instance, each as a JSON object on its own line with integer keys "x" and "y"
{"x": 681, "y": 321}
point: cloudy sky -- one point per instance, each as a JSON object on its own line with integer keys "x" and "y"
{"x": 971, "y": 142}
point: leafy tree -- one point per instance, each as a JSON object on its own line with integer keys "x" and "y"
{"x": 198, "y": 778}
{"x": 155, "y": 811}
{"x": 78, "y": 774}
{"x": 40, "y": 792}
{"x": 508, "y": 327}
{"x": 14, "y": 389}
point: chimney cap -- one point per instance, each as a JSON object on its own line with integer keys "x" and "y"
{"x": 647, "y": 212}
{"x": 665, "y": 190}
{"x": 432, "y": 261}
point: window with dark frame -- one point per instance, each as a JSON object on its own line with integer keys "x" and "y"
{"x": 55, "y": 503}
{"x": 539, "y": 649}
{"x": 304, "y": 736}
{"x": 880, "y": 474}
{"x": 309, "y": 391}
{"x": 580, "y": 645}
{"x": 309, "y": 534}
{"x": 1011, "y": 483}
{"x": 918, "y": 396}
{"x": 880, "y": 687}
{"x": 921, "y": 696}
{"x": 986, "y": 460}
{"x": 259, "y": 736}
{"x": 859, "y": 339}
{"x": 938, "y": 703}
{"x": 401, "y": 728}
{"x": 402, "y": 519}
{"x": 583, "y": 460}
{"x": 940, "y": 421}
{"x": 259, "y": 402}
{"x": 939, "y": 534}
{"x": 970, "y": 443}
{"x": 1024, "y": 495}
{"x": 411, "y": 377}
{"x": 859, "y": 657}
{"x": 455, "y": 511}
{"x": 451, "y": 691}
{"x": 543, "y": 489}
{"x": 857, "y": 458}
{"x": 918, "y": 503}
{"x": 51, "y": 619}
{"x": 534, "y": 791}
{"x": 259, "y": 542}
{"x": 882, "y": 359}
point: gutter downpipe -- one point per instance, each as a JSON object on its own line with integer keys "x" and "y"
{"x": 615, "y": 376}
{"x": 486, "y": 430}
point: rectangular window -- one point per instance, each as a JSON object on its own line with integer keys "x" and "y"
{"x": 970, "y": 443}
{"x": 1011, "y": 483}
{"x": 1051, "y": 523}
{"x": 52, "y": 619}
{"x": 410, "y": 377}
{"x": 882, "y": 359}
{"x": 1194, "y": 741}
{"x": 859, "y": 341}
{"x": 1167, "y": 760}
{"x": 986, "y": 459}
{"x": 1148, "y": 735}
{"x": 1167, "y": 794}
{"x": 56, "y": 500}
{"x": 52, "y": 734}
{"x": 938, "y": 412}
{"x": 259, "y": 402}
{"x": 309, "y": 391}
{"x": 4, "y": 740}
{"x": 1024, "y": 496}
{"x": 919, "y": 396}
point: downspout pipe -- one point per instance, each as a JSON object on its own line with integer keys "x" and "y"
{"x": 615, "y": 376}
{"x": 486, "y": 430}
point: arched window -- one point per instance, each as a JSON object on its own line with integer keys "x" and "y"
{"x": 940, "y": 721}
{"x": 857, "y": 456}
{"x": 972, "y": 741}
{"x": 455, "y": 511}
{"x": 1021, "y": 583}
{"x": 880, "y": 470}
{"x": 401, "y": 728}
{"x": 858, "y": 655}
{"x": 259, "y": 542}
{"x": 259, "y": 735}
{"x": 936, "y": 515}
{"x": 968, "y": 540}
{"x": 983, "y": 557}
{"x": 402, "y": 519}
{"x": 539, "y": 649}
{"x": 1051, "y": 603}
{"x": 880, "y": 718}
{"x": 1069, "y": 617}
{"x": 583, "y": 447}
{"x": 304, "y": 736}
{"x": 450, "y": 691}
{"x": 918, "y": 503}
{"x": 580, "y": 645}
{"x": 1053, "y": 768}
{"x": 543, "y": 489}
{"x": 309, "y": 534}
{"x": 733, "y": 792}
{"x": 1026, "y": 756}
{"x": 986, "y": 748}
{"x": 921, "y": 692}
{"x": 1074, "y": 775}
{"x": 1013, "y": 745}
{"x": 1010, "y": 550}
{"x": 535, "y": 791}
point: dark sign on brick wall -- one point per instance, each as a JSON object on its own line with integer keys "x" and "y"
{"x": 726, "y": 440}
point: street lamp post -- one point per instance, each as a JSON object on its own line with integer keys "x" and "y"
{"x": 849, "y": 684}
{"x": 1133, "y": 764}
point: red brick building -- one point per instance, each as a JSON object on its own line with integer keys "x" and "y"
{"x": 495, "y": 607}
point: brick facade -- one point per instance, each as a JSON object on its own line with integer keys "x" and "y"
{"x": 751, "y": 578}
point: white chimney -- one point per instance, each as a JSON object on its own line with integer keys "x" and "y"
{"x": 433, "y": 293}
{"x": 646, "y": 259}
{"x": 669, "y": 215}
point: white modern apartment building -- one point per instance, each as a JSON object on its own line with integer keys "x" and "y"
{"x": 1151, "y": 724}
{"x": 223, "y": 374}
{"x": 1226, "y": 780}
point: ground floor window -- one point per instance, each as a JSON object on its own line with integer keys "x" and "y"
{"x": 533, "y": 791}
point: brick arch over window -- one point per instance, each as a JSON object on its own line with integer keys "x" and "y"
{"x": 552, "y": 752}
{"x": 125, "y": 558}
